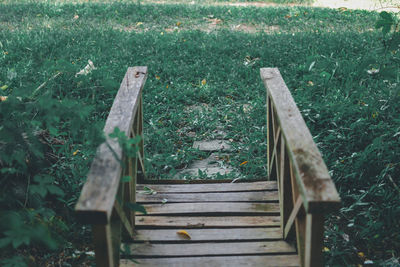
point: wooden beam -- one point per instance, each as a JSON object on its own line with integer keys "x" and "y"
{"x": 285, "y": 193}
{"x": 97, "y": 197}
{"x": 293, "y": 215}
{"x": 314, "y": 240}
{"x": 312, "y": 177}
{"x": 124, "y": 219}
{"x": 103, "y": 246}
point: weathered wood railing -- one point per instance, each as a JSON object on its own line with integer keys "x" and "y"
{"x": 306, "y": 190}
{"x": 103, "y": 195}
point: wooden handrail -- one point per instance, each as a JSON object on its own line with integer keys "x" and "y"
{"x": 102, "y": 198}
{"x": 306, "y": 189}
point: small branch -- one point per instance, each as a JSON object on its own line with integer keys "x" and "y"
{"x": 44, "y": 84}
{"x": 394, "y": 184}
{"x": 27, "y": 191}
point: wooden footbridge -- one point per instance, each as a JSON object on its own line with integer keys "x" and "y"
{"x": 276, "y": 221}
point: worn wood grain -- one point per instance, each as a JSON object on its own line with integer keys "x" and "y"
{"x": 202, "y": 235}
{"x": 316, "y": 186}
{"x": 98, "y": 194}
{"x": 260, "y": 196}
{"x": 254, "y": 261}
{"x": 211, "y": 249}
{"x": 214, "y": 187}
{"x": 213, "y": 208}
{"x": 206, "y": 221}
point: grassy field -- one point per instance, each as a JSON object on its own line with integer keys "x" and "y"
{"x": 207, "y": 56}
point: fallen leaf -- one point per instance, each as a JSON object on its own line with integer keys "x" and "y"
{"x": 244, "y": 162}
{"x": 178, "y": 23}
{"x": 88, "y": 69}
{"x": 361, "y": 254}
{"x": 149, "y": 191}
{"x": 75, "y": 152}
{"x": 184, "y": 234}
{"x": 3, "y": 98}
{"x": 326, "y": 249}
{"x": 139, "y": 23}
{"x": 158, "y": 77}
{"x": 310, "y": 83}
{"x": 373, "y": 71}
{"x": 167, "y": 86}
{"x": 203, "y": 82}
{"x": 76, "y": 17}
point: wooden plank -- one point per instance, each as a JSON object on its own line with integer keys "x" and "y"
{"x": 205, "y": 221}
{"x": 260, "y": 196}
{"x": 201, "y": 181}
{"x": 254, "y": 261}
{"x": 209, "y": 249}
{"x": 98, "y": 193}
{"x": 316, "y": 186}
{"x": 213, "y": 208}
{"x": 204, "y": 188}
{"x": 242, "y": 234}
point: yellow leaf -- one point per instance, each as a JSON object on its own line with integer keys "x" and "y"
{"x": 3, "y": 98}
{"x": 162, "y": 33}
{"x": 361, "y": 254}
{"x": 203, "y": 82}
{"x": 326, "y": 249}
{"x": 5, "y": 53}
{"x": 184, "y": 234}
{"x": 75, "y": 152}
{"x": 157, "y": 77}
{"x": 139, "y": 23}
{"x": 178, "y": 23}
{"x": 244, "y": 162}
{"x": 4, "y": 87}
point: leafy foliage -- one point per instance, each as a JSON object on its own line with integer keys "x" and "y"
{"x": 329, "y": 58}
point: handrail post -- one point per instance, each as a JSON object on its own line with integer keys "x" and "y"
{"x": 314, "y": 240}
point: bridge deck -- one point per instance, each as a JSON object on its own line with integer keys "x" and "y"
{"x": 217, "y": 224}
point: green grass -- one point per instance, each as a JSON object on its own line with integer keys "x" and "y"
{"x": 351, "y": 114}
